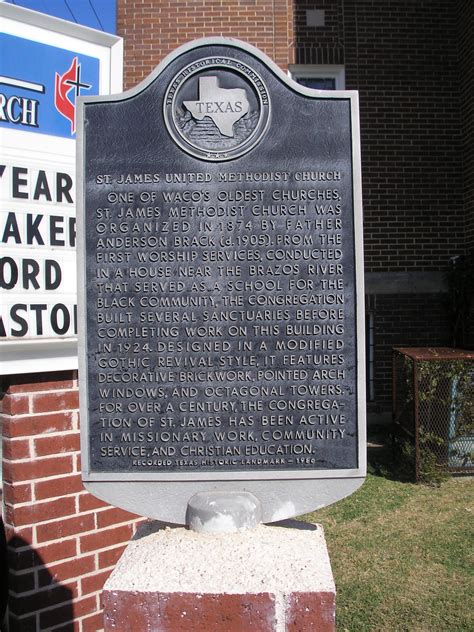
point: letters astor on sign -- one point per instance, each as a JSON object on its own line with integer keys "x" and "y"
{"x": 221, "y": 295}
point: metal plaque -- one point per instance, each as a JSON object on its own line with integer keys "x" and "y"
{"x": 221, "y": 287}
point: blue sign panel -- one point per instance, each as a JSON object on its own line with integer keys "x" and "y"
{"x": 39, "y": 85}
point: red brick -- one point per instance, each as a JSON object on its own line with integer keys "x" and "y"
{"x": 68, "y": 612}
{"x": 40, "y": 512}
{"x": 15, "y": 404}
{"x": 38, "y": 424}
{"x": 88, "y": 502}
{"x": 187, "y": 611}
{"x": 16, "y": 449}
{"x": 45, "y": 446}
{"x": 54, "y": 530}
{"x": 62, "y": 486}
{"x": 311, "y": 611}
{"x": 29, "y": 557}
{"x": 94, "y": 583}
{"x": 266, "y": 23}
{"x": 39, "y": 468}
{"x": 17, "y": 493}
{"x": 110, "y": 557}
{"x": 114, "y": 515}
{"x": 93, "y": 623}
{"x": 45, "y": 598}
{"x": 23, "y": 624}
{"x": 105, "y": 538}
{"x": 56, "y": 616}
{"x": 70, "y": 626}
{"x": 57, "y": 551}
{"x": 42, "y": 382}
{"x": 21, "y": 582}
{"x": 74, "y": 567}
{"x": 19, "y": 537}
{"x": 85, "y": 606}
{"x": 62, "y": 400}
{"x": 22, "y": 559}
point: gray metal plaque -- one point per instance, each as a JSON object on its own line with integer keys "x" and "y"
{"x": 221, "y": 300}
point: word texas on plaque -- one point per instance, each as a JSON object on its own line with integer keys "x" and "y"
{"x": 221, "y": 295}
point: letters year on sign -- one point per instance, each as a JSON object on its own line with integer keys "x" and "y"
{"x": 221, "y": 297}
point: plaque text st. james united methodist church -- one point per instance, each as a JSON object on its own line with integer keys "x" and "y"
{"x": 222, "y": 317}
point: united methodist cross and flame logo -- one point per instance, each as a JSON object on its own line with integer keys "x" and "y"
{"x": 64, "y": 84}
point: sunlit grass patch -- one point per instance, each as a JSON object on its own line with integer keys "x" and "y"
{"x": 402, "y": 556}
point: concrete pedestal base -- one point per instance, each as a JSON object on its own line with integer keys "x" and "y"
{"x": 266, "y": 579}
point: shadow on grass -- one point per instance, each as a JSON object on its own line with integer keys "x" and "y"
{"x": 383, "y": 459}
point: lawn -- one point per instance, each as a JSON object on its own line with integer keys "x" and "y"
{"x": 402, "y": 555}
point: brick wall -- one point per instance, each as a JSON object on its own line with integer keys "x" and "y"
{"x": 466, "y": 73}
{"x": 412, "y": 166}
{"x": 412, "y": 63}
{"x": 319, "y": 44}
{"x": 404, "y": 320}
{"x": 63, "y": 542}
{"x": 151, "y": 30}
{"x": 402, "y": 57}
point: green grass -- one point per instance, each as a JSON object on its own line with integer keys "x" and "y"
{"x": 402, "y": 556}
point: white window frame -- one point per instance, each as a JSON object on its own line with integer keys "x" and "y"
{"x": 310, "y": 71}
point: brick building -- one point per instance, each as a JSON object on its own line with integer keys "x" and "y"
{"x": 412, "y": 62}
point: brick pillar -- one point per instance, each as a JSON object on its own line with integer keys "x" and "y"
{"x": 265, "y": 579}
{"x": 63, "y": 543}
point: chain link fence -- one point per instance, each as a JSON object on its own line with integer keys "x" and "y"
{"x": 433, "y": 410}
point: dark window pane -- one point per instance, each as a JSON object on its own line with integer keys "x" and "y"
{"x": 318, "y": 83}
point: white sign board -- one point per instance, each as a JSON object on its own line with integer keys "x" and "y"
{"x": 45, "y": 64}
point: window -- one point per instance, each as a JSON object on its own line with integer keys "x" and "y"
{"x": 319, "y": 77}
{"x": 370, "y": 355}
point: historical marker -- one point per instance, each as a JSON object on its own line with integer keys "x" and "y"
{"x": 221, "y": 282}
